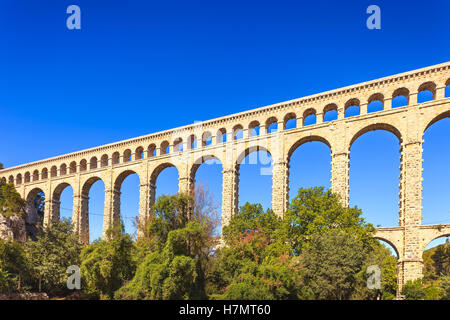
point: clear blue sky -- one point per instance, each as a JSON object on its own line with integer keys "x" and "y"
{"x": 137, "y": 67}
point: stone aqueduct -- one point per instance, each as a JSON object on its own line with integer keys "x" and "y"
{"x": 218, "y": 139}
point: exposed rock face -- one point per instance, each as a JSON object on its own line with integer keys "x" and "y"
{"x": 13, "y": 228}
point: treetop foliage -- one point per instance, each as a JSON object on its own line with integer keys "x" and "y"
{"x": 11, "y": 202}
{"x": 55, "y": 249}
{"x": 315, "y": 210}
{"x": 317, "y": 250}
{"x": 175, "y": 251}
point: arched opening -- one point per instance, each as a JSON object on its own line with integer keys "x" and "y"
{"x": 255, "y": 176}
{"x": 35, "y": 212}
{"x": 436, "y": 258}
{"x": 127, "y": 155}
{"x": 436, "y": 175}
{"x": 19, "y": 179}
{"x": 44, "y": 173}
{"x": 271, "y": 125}
{"x": 390, "y": 246}
{"x": 128, "y": 183}
{"x": 165, "y": 147}
{"x": 165, "y": 179}
{"x": 139, "y": 153}
{"x": 104, "y": 160}
{"x": 63, "y": 170}
{"x": 83, "y": 165}
{"x": 93, "y": 193}
{"x": 93, "y": 163}
{"x": 400, "y": 98}
{"x": 53, "y": 171}
{"x": 374, "y": 174}
{"x": 438, "y": 241}
{"x": 115, "y": 158}
{"x": 73, "y": 167}
{"x": 207, "y": 176}
{"x": 35, "y": 175}
{"x": 330, "y": 112}
{"x": 351, "y": 108}
{"x": 290, "y": 121}
{"x": 27, "y": 177}
{"x": 221, "y": 135}
{"x": 309, "y": 164}
{"x": 206, "y": 139}
{"x": 178, "y": 145}
{"x": 238, "y": 132}
{"x": 309, "y": 117}
{"x": 11, "y": 179}
{"x": 151, "y": 151}
{"x": 62, "y": 205}
{"x": 192, "y": 142}
{"x": 254, "y": 128}
{"x": 426, "y": 92}
{"x": 375, "y": 103}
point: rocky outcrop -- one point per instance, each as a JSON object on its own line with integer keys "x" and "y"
{"x": 13, "y": 228}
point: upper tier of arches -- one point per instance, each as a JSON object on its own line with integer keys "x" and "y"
{"x": 248, "y": 127}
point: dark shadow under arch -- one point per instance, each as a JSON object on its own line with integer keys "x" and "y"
{"x": 59, "y": 190}
{"x": 35, "y": 211}
{"x": 32, "y": 194}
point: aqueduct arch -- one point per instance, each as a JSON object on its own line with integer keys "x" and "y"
{"x": 55, "y": 201}
{"x": 149, "y": 155}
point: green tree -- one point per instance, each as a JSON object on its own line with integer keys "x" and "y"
{"x": 441, "y": 260}
{"x": 331, "y": 263}
{"x": 6, "y": 281}
{"x": 175, "y": 272}
{"x": 255, "y": 262}
{"x": 445, "y": 287}
{"x": 10, "y": 201}
{"x": 266, "y": 257}
{"x": 380, "y": 256}
{"x": 55, "y": 249}
{"x": 107, "y": 265}
{"x": 315, "y": 210}
{"x": 423, "y": 289}
{"x": 414, "y": 290}
{"x": 177, "y": 243}
{"x": 14, "y": 266}
{"x": 432, "y": 291}
{"x": 250, "y": 219}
